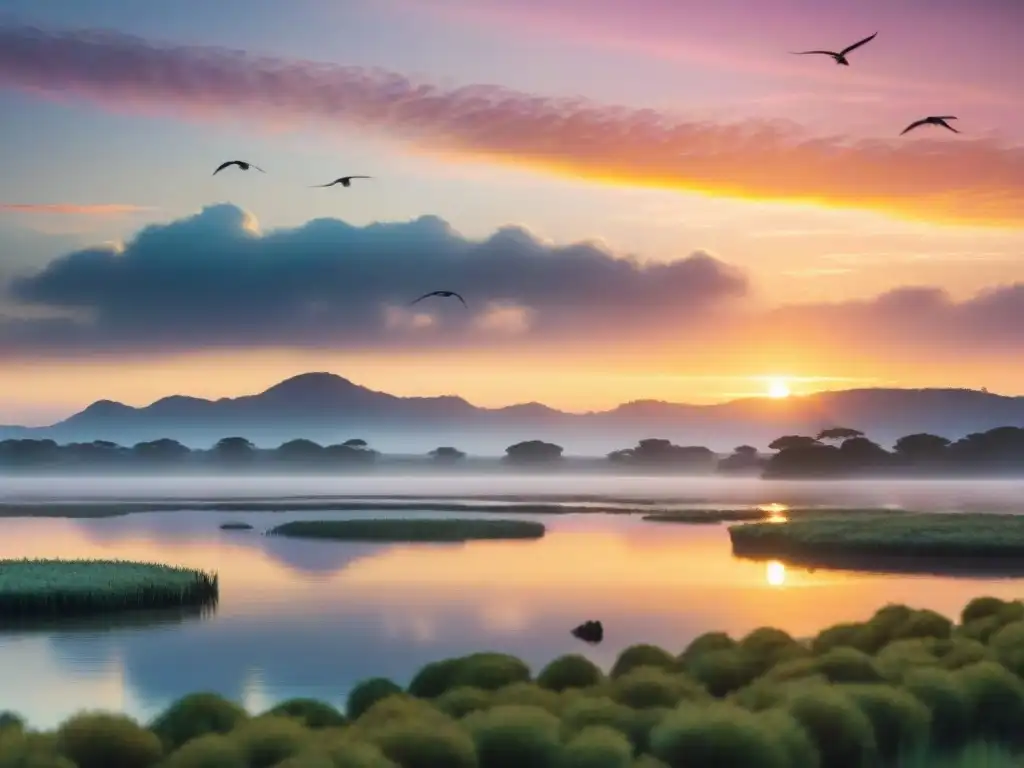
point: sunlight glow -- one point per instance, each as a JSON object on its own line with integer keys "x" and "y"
{"x": 778, "y": 388}
{"x": 775, "y": 573}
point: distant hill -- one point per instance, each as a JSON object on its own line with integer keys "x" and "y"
{"x": 328, "y": 408}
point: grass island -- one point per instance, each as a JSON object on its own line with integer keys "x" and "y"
{"x": 903, "y": 688}
{"x": 907, "y": 541}
{"x": 65, "y": 588}
{"x": 396, "y": 530}
{"x": 235, "y": 526}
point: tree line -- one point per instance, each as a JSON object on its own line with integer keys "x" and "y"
{"x": 836, "y": 451}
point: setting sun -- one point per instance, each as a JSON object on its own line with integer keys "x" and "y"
{"x": 778, "y": 388}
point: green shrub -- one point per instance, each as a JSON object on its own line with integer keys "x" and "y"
{"x": 795, "y": 669}
{"x": 267, "y": 740}
{"x": 528, "y": 695}
{"x": 346, "y": 753}
{"x": 421, "y": 743}
{"x": 722, "y": 671}
{"x": 924, "y": 623}
{"x": 366, "y": 693}
{"x": 597, "y": 747}
{"x": 848, "y": 665}
{"x": 792, "y": 737}
{"x": 459, "y": 702}
{"x": 841, "y": 732}
{"x": 646, "y": 687}
{"x": 10, "y": 720}
{"x": 20, "y": 749}
{"x": 490, "y": 671}
{"x": 515, "y": 736}
{"x": 900, "y": 656}
{"x": 196, "y": 715}
{"x": 984, "y": 607}
{"x": 311, "y": 758}
{"x": 582, "y": 713}
{"x": 764, "y": 694}
{"x": 900, "y": 721}
{"x": 212, "y": 750}
{"x": 961, "y": 651}
{"x": 709, "y": 642}
{"x": 982, "y": 629}
{"x": 102, "y": 740}
{"x": 766, "y": 646}
{"x": 940, "y": 691}
{"x": 571, "y": 671}
{"x": 642, "y": 655}
{"x": 997, "y": 699}
{"x": 433, "y": 679}
{"x": 848, "y": 635}
{"x": 395, "y": 709}
{"x": 648, "y": 761}
{"x": 312, "y": 713}
{"x": 715, "y": 736}
{"x": 1007, "y": 644}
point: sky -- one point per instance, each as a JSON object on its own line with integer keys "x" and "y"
{"x": 639, "y": 200}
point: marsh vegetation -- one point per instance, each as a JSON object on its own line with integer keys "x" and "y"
{"x": 65, "y": 588}
{"x": 410, "y": 530}
{"x": 905, "y": 688}
{"x": 889, "y": 541}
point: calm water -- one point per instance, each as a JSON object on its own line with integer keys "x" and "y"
{"x": 308, "y": 618}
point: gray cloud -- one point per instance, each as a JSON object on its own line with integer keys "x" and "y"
{"x": 212, "y": 280}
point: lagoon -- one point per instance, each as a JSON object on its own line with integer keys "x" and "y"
{"x": 311, "y": 618}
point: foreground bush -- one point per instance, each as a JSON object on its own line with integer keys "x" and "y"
{"x": 839, "y": 729}
{"x": 367, "y": 693}
{"x": 101, "y": 740}
{"x": 267, "y": 740}
{"x": 210, "y": 751}
{"x": 312, "y": 713}
{"x": 597, "y": 747}
{"x": 515, "y": 736}
{"x": 195, "y": 715}
{"x": 572, "y": 671}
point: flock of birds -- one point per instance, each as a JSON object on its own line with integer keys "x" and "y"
{"x": 345, "y": 181}
{"x": 840, "y": 58}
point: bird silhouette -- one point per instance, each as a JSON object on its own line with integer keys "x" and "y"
{"x": 345, "y": 181}
{"x": 443, "y": 294}
{"x": 933, "y": 120}
{"x": 240, "y": 163}
{"x": 841, "y": 56}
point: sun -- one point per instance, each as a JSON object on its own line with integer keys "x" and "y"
{"x": 778, "y": 388}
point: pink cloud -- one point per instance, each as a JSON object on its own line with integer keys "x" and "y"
{"x": 75, "y": 209}
{"x": 924, "y": 176}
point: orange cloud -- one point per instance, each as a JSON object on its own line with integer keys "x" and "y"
{"x": 75, "y": 209}
{"x": 960, "y": 180}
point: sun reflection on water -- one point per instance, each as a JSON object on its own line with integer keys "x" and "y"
{"x": 775, "y": 573}
{"x": 776, "y": 512}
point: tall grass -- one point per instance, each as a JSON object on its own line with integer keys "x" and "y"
{"x": 411, "y": 530}
{"x": 33, "y": 588}
{"x": 903, "y": 689}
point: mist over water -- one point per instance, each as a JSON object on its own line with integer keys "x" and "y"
{"x": 311, "y": 618}
{"x": 924, "y": 494}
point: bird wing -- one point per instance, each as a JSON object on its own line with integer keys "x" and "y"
{"x": 222, "y": 166}
{"x": 913, "y": 125}
{"x": 421, "y": 298}
{"x": 947, "y": 117}
{"x": 946, "y": 125}
{"x": 804, "y": 53}
{"x": 857, "y": 45}
{"x": 336, "y": 181}
{"x": 357, "y": 177}
{"x": 457, "y": 296}
{"x": 257, "y": 168}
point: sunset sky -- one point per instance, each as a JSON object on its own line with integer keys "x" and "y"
{"x": 650, "y": 199}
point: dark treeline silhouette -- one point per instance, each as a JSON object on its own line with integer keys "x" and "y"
{"x": 833, "y": 452}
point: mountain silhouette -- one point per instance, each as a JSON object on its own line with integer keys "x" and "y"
{"x": 329, "y": 408}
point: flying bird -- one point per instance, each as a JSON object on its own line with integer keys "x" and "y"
{"x": 345, "y": 181}
{"x": 933, "y": 120}
{"x": 442, "y": 294}
{"x": 841, "y": 56}
{"x": 240, "y": 163}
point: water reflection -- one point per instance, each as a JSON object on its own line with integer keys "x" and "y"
{"x": 310, "y": 618}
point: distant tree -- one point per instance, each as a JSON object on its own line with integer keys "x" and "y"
{"x": 95, "y": 452}
{"x": 446, "y": 455}
{"x": 162, "y": 451}
{"x": 744, "y": 458}
{"x": 860, "y": 452}
{"x": 234, "y": 450}
{"x": 353, "y": 451}
{"x": 299, "y": 451}
{"x": 656, "y": 451}
{"x": 921, "y": 447}
{"x": 29, "y": 453}
{"x": 804, "y": 458}
{"x": 787, "y": 442}
{"x": 839, "y": 434}
{"x": 1001, "y": 446}
{"x": 533, "y": 452}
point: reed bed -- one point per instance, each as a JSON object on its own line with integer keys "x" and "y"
{"x": 905, "y": 688}
{"x": 33, "y": 588}
{"x": 411, "y": 530}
